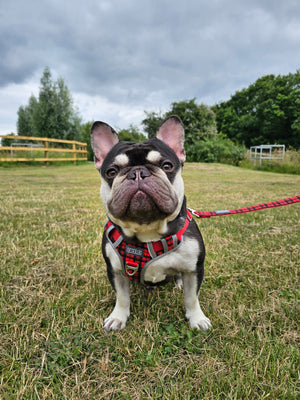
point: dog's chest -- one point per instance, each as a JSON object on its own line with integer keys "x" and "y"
{"x": 183, "y": 259}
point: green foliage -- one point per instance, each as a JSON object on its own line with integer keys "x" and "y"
{"x": 199, "y": 120}
{"x": 52, "y": 114}
{"x": 202, "y": 142}
{"x": 8, "y": 142}
{"x": 217, "y": 148}
{"x": 85, "y": 136}
{"x": 131, "y": 134}
{"x": 267, "y": 112}
{"x": 27, "y": 116}
{"x": 152, "y": 122}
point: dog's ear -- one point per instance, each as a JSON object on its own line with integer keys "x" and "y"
{"x": 171, "y": 132}
{"x": 103, "y": 139}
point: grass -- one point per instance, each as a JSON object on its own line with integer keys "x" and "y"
{"x": 54, "y": 294}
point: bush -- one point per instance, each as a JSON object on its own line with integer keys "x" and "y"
{"x": 216, "y": 148}
{"x": 8, "y": 142}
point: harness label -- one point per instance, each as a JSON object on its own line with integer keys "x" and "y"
{"x": 134, "y": 251}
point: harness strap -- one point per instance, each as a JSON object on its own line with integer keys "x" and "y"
{"x": 217, "y": 213}
{"x": 135, "y": 258}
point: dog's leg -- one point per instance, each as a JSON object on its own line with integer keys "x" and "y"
{"x": 194, "y": 314}
{"x": 117, "y": 319}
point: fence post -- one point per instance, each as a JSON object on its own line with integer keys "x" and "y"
{"x": 74, "y": 152}
{"x": 46, "y": 152}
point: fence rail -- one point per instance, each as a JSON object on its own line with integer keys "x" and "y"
{"x": 78, "y": 148}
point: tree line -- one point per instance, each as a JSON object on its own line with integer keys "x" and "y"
{"x": 267, "y": 112}
{"x": 202, "y": 140}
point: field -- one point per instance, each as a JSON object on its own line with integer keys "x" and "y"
{"x": 54, "y": 294}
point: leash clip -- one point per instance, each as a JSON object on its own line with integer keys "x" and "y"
{"x": 193, "y": 212}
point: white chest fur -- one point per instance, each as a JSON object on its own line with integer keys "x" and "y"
{"x": 184, "y": 259}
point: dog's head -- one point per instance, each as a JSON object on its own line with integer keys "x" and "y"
{"x": 141, "y": 184}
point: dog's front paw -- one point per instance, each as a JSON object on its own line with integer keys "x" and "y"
{"x": 116, "y": 320}
{"x": 198, "y": 320}
{"x": 114, "y": 324}
{"x": 203, "y": 323}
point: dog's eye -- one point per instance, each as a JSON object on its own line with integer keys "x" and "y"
{"x": 167, "y": 166}
{"x": 111, "y": 172}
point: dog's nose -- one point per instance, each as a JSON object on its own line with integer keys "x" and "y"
{"x": 138, "y": 174}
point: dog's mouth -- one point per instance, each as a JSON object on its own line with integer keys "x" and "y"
{"x": 141, "y": 206}
{"x": 143, "y": 202}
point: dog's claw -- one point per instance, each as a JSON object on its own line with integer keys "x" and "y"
{"x": 113, "y": 324}
{"x": 178, "y": 281}
{"x": 205, "y": 325}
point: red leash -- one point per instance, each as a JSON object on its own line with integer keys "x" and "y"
{"x": 217, "y": 213}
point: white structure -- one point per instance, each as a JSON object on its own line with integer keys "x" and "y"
{"x": 31, "y": 145}
{"x": 265, "y": 152}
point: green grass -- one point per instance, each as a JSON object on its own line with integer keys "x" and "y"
{"x": 54, "y": 294}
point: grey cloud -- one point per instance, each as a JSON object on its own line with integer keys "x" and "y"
{"x": 136, "y": 51}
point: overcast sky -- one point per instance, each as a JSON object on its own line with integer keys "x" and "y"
{"x": 121, "y": 57}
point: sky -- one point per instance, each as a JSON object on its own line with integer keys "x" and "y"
{"x": 121, "y": 58}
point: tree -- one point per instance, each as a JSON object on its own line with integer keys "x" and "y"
{"x": 52, "y": 114}
{"x": 199, "y": 123}
{"x": 23, "y": 123}
{"x": 197, "y": 119}
{"x": 85, "y": 136}
{"x": 267, "y": 112}
{"x": 152, "y": 122}
{"x": 8, "y": 142}
{"x": 131, "y": 134}
{"x": 26, "y": 116}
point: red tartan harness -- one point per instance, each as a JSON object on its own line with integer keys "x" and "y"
{"x": 136, "y": 258}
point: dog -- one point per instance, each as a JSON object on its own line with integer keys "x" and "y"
{"x": 150, "y": 235}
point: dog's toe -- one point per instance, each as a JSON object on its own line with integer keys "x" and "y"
{"x": 178, "y": 281}
{"x": 202, "y": 324}
{"x": 113, "y": 324}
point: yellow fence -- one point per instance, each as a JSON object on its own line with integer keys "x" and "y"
{"x": 44, "y": 146}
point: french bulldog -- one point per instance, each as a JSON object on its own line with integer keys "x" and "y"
{"x": 150, "y": 236}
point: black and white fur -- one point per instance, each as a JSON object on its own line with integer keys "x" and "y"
{"x": 143, "y": 193}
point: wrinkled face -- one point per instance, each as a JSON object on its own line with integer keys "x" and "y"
{"x": 141, "y": 183}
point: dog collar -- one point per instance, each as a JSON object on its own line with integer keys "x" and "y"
{"x": 136, "y": 258}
